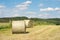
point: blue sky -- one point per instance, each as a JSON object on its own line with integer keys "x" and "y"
{"x": 30, "y": 8}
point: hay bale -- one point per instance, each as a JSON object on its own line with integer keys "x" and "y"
{"x": 28, "y": 23}
{"x": 18, "y": 26}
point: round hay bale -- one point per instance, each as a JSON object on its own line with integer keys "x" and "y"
{"x": 18, "y": 27}
{"x": 28, "y": 23}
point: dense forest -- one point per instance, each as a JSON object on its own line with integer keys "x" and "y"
{"x": 36, "y": 21}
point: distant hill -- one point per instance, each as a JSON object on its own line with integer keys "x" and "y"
{"x": 7, "y": 19}
{"x": 37, "y": 21}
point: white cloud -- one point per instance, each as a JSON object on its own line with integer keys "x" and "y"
{"x": 28, "y": 2}
{"x": 58, "y": 12}
{"x": 31, "y": 16}
{"x": 57, "y": 9}
{"x": 2, "y": 9}
{"x": 18, "y": 9}
{"x": 41, "y": 4}
{"x": 31, "y": 12}
{"x": 1, "y": 6}
{"x": 24, "y": 5}
{"x": 45, "y": 15}
{"x": 50, "y": 9}
{"x": 15, "y": 15}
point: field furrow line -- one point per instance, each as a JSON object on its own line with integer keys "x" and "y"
{"x": 40, "y": 31}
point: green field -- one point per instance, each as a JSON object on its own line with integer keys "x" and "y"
{"x": 5, "y": 25}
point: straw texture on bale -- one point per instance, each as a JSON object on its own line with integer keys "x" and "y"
{"x": 18, "y": 26}
{"x": 28, "y": 23}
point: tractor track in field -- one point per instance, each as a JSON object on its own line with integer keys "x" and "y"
{"x": 35, "y": 33}
{"x": 45, "y": 33}
{"x": 51, "y": 34}
{"x": 42, "y": 30}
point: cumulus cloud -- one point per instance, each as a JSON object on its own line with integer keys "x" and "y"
{"x": 31, "y": 12}
{"x": 45, "y": 15}
{"x": 2, "y": 9}
{"x": 24, "y": 5}
{"x": 31, "y": 16}
{"x": 18, "y": 9}
{"x": 40, "y": 5}
{"x": 15, "y": 15}
{"x": 2, "y": 6}
{"x": 57, "y": 8}
{"x": 50, "y": 9}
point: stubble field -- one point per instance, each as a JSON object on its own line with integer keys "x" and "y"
{"x": 40, "y": 32}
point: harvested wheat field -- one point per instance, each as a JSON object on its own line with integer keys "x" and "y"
{"x": 40, "y": 32}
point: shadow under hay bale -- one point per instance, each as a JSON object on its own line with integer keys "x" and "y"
{"x": 18, "y": 27}
{"x": 57, "y": 24}
{"x": 20, "y": 32}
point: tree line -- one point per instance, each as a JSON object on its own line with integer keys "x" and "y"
{"x": 37, "y": 21}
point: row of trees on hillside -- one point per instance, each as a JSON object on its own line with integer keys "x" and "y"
{"x": 37, "y": 21}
